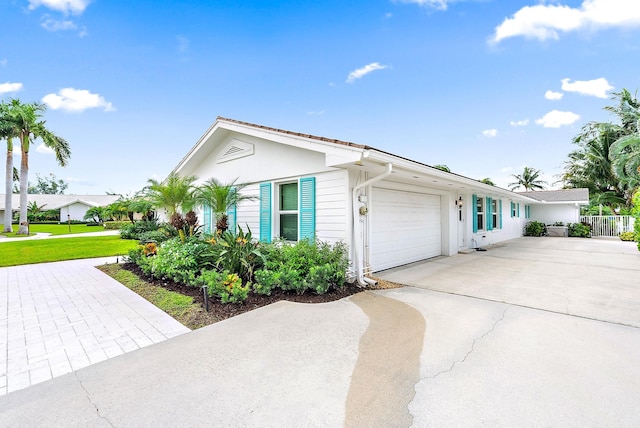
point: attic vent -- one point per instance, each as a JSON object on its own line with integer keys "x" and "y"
{"x": 234, "y": 150}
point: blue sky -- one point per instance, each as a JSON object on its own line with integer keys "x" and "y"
{"x": 485, "y": 87}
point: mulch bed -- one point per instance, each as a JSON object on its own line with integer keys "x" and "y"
{"x": 254, "y": 301}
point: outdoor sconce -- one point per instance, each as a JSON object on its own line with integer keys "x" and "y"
{"x": 363, "y": 210}
{"x": 458, "y": 202}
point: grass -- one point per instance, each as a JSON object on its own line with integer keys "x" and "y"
{"x": 52, "y": 250}
{"x": 54, "y": 229}
{"x": 180, "y": 307}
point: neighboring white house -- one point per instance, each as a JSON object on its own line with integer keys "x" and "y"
{"x": 558, "y": 205}
{"x": 72, "y": 207}
{"x": 389, "y": 210}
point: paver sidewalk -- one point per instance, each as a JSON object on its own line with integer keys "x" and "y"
{"x": 56, "y": 318}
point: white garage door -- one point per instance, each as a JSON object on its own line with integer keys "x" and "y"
{"x": 405, "y": 227}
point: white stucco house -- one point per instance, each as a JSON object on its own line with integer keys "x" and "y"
{"x": 558, "y": 205}
{"x": 388, "y": 209}
{"x": 72, "y": 207}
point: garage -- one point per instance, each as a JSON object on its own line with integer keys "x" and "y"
{"x": 405, "y": 227}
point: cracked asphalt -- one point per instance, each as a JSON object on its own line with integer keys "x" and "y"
{"x": 504, "y": 351}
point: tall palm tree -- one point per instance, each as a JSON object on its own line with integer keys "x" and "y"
{"x": 28, "y": 120}
{"x": 221, "y": 197}
{"x": 174, "y": 194}
{"x": 529, "y": 180}
{"x": 625, "y": 151}
{"x": 8, "y": 131}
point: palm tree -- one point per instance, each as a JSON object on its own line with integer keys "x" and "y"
{"x": 488, "y": 181}
{"x": 8, "y": 131}
{"x": 529, "y": 179}
{"x": 625, "y": 151}
{"x": 30, "y": 127}
{"x": 221, "y": 197}
{"x": 174, "y": 194}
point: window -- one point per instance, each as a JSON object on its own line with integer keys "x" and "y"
{"x": 513, "y": 209}
{"x": 480, "y": 213}
{"x": 288, "y": 211}
{"x": 495, "y": 214}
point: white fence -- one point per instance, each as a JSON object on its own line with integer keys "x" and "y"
{"x": 608, "y": 225}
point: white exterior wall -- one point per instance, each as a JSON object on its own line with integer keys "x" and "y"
{"x": 512, "y": 227}
{"x": 275, "y": 163}
{"x": 552, "y": 213}
{"x": 74, "y": 211}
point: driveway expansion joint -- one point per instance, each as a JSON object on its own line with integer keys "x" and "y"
{"x": 91, "y": 400}
{"x": 473, "y": 345}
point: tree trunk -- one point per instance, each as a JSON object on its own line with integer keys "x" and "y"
{"x": 8, "y": 190}
{"x": 24, "y": 180}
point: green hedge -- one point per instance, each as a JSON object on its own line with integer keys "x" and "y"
{"x": 115, "y": 225}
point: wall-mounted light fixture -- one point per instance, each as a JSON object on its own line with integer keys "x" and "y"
{"x": 458, "y": 202}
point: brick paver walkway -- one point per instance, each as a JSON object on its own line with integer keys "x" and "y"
{"x": 56, "y": 318}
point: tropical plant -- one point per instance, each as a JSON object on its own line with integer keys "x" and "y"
{"x": 8, "y": 131}
{"x": 221, "y": 197}
{"x": 442, "y": 168}
{"x": 535, "y": 228}
{"x": 579, "y": 230}
{"x": 488, "y": 181}
{"x": 529, "y": 180}
{"x": 97, "y": 214}
{"x": 625, "y": 151}
{"x": 33, "y": 209}
{"x": 240, "y": 253}
{"x": 27, "y": 119}
{"x": 175, "y": 194}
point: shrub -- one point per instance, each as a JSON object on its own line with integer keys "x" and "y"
{"x": 239, "y": 254}
{"x": 627, "y": 236}
{"x": 579, "y": 230}
{"x": 180, "y": 261}
{"x": 227, "y": 286}
{"x": 153, "y": 236}
{"x": 211, "y": 279}
{"x": 535, "y": 228}
{"x": 139, "y": 228}
{"x": 265, "y": 281}
{"x": 115, "y": 225}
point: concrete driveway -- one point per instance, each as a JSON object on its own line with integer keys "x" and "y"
{"x": 400, "y": 357}
{"x": 596, "y": 278}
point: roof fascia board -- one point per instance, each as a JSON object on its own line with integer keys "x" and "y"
{"x": 375, "y": 155}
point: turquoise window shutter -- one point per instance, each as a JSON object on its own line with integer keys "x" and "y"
{"x": 265, "y": 212}
{"x": 231, "y": 216}
{"x": 474, "y": 204}
{"x": 518, "y": 210}
{"x": 206, "y": 218}
{"x": 308, "y": 208}
{"x": 489, "y": 214}
{"x": 511, "y": 209}
{"x": 500, "y": 212}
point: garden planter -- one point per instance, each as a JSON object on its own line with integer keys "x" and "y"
{"x": 558, "y": 231}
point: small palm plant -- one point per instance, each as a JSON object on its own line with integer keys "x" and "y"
{"x": 221, "y": 197}
{"x": 529, "y": 179}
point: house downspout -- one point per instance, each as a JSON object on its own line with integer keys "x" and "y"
{"x": 358, "y": 263}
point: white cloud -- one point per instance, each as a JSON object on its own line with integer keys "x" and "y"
{"x": 315, "y": 113}
{"x": 357, "y": 74}
{"x": 551, "y": 95}
{"x": 83, "y": 181}
{"x": 556, "y": 119}
{"x": 434, "y": 4}
{"x": 76, "y": 100}
{"x": 44, "y": 149}
{"x": 75, "y": 7}
{"x": 51, "y": 24}
{"x": 6, "y": 88}
{"x": 546, "y": 21}
{"x": 490, "y": 133}
{"x": 506, "y": 169}
{"x": 596, "y": 87}
{"x": 516, "y": 123}
{"x": 3, "y": 62}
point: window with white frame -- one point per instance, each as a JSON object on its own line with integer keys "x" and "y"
{"x": 288, "y": 211}
{"x": 480, "y": 213}
{"x": 495, "y": 214}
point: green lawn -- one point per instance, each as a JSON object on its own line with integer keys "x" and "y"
{"x": 54, "y": 229}
{"x": 52, "y": 250}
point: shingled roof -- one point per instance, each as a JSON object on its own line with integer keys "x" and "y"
{"x": 564, "y": 195}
